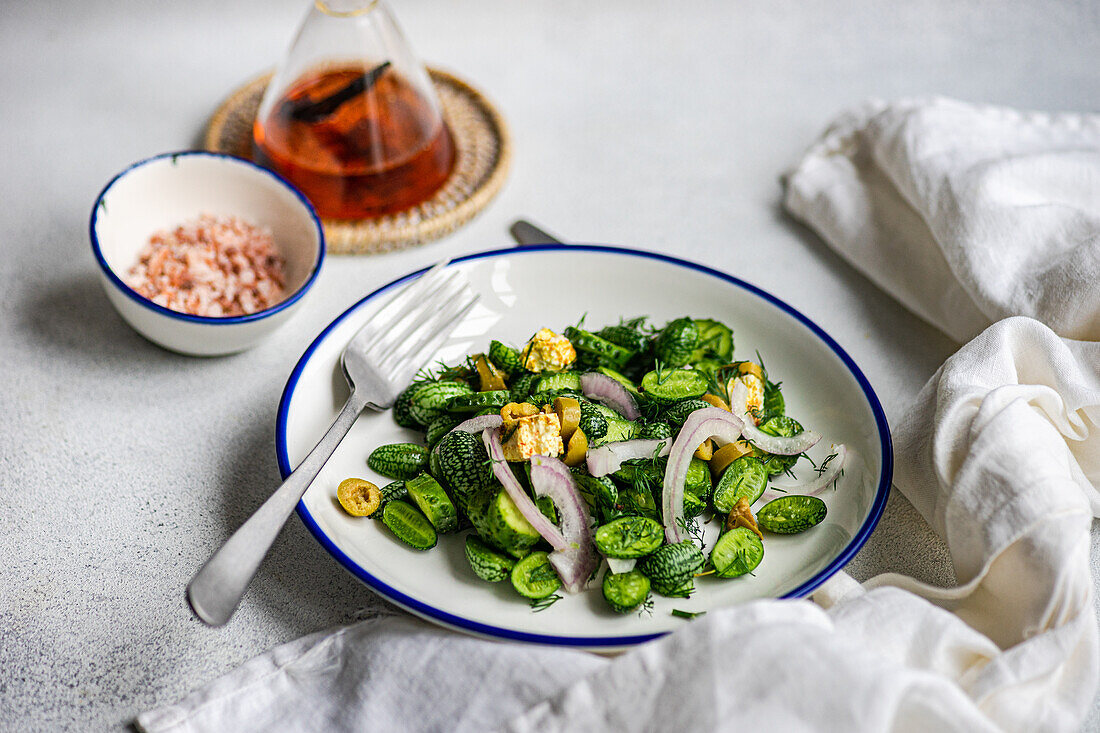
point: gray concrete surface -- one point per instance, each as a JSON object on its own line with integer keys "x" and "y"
{"x": 659, "y": 125}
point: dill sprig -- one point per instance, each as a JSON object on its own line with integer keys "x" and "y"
{"x": 541, "y": 573}
{"x": 691, "y": 527}
{"x": 825, "y": 463}
{"x": 763, "y": 369}
{"x": 430, "y": 372}
{"x": 440, "y": 371}
{"x": 650, "y": 411}
{"x": 715, "y": 385}
{"x": 641, "y": 488}
{"x": 541, "y": 604}
{"x": 663, "y": 371}
{"x": 687, "y": 614}
{"x": 638, "y": 323}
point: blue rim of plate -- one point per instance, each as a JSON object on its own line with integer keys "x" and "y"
{"x": 222, "y": 320}
{"x": 475, "y": 627}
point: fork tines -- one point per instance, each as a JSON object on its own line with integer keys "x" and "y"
{"x": 405, "y": 332}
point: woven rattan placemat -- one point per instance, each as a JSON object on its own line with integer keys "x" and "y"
{"x": 483, "y": 154}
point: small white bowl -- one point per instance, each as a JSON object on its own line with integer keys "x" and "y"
{"x": 171, "y": 189}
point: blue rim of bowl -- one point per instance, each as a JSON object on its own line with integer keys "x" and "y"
{"x": 475, "y": 627}
{"x": 223, "y": 320}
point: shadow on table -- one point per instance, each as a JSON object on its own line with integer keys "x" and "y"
{"x": 72, "y": 318}
{"x": 301, "y": 586}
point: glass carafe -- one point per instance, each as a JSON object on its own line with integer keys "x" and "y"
{"x": 350, "y": 116}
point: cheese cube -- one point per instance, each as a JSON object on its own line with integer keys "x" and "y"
{"x": 754, "y": 403}
{"x": 548, "y": 352}
{"x": 536, "y": 435}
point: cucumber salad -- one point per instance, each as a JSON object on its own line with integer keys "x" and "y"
{"x": 586, "y": 450}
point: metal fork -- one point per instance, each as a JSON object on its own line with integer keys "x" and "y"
{"x": 379, "y": 361}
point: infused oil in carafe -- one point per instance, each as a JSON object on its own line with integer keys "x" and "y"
{"x": 351, "y": 118}
{"x": 383, "y": 150}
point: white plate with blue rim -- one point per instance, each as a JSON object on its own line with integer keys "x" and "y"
{"x": 521, "y": 291}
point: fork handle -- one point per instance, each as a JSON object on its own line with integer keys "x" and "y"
{"x": 217, "y": 588}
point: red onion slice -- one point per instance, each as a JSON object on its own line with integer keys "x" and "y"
{"x": 606, "y": 390}
{"x": 700, "y": 425}
{"x": 778, "y": 445}
{"x": 574, "y": 567}
{"x": 814, "y": 486}
{"x": 530, "y": 512}
{"x": 550, "y": 477}
{"x": 618, "y": 565}
{"x": 609, "y": 457}
{"x": 478, "y": 424}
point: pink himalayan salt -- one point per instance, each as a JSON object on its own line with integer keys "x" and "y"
{"x": 213, "y": 266}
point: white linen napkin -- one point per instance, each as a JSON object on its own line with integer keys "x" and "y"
{"x": 965, "y": 214}
{"x": 1000, "y": 454}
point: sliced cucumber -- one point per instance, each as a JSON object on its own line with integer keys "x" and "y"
{"x": 629, "y": 338}
{"x": 781, "y": 426}
{"x": 434, "y": 502}
{"x": 618, "y": 429}
{"x": 715, "y": 339}
{"x": 557, "y": 381}
{"x": 698, "y": 479}
{"x": 737, "y": 552}
{"x": 791, "y": 514}
{"x": 546, "y": 506}
{"x": 626, "y": 383}
{"x": 671, "y": 385}
{"x": 534, "y": 577}
{"x": 487, "y": 563}
{"x": 774, "y": 404}
{"x": 637, "y": 499}
{"x": 500, "y": 523}
{"x": 697, "y": 482}
{"x": 745, "y": 477}
{"x": 624, "y": 592}
{"x": 693, "y": 505}
{"x": 409, "y": 525}
{"x": 479, "y": 401}
{"x": 629, "y": 537}
{"x": 606, "y": 352}
{"x": 601, "y": 495}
